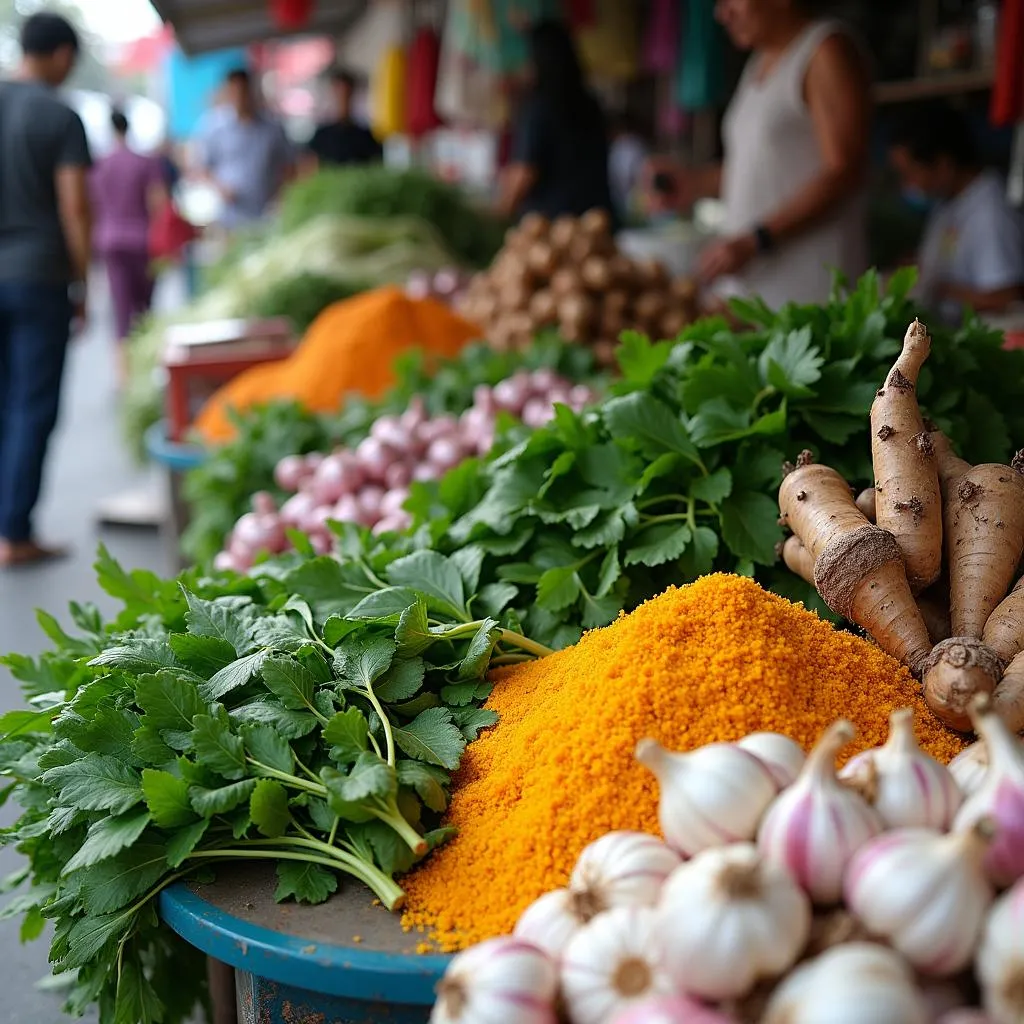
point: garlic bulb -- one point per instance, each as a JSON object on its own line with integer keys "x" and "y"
{"x": 1000, "y": 960}
{"x": 859, "y": 983}
{"x": 782, "y": 756}
{"x": 710, "y": 796}
{"x": 968, "y": 768}
{"x": 612, "y": 964}
{"x": 500, "y": 981}
{"x": 1000, "y": 795}
{"x": 816, "y": 826}
{"x": 924, "y": 892}
{"x": 965, "y": 1015}
{"x": 672, "y": 1010}
{"x": 726, "y": 920}
{"x": 552, "y": 920}
{"x": 904, "y": 785}
{"x": 622, "y": 869}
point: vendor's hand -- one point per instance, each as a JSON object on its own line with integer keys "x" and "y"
{"x": 726, "y": 256}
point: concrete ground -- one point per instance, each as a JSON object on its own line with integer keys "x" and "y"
{"x": 88, "y": 463}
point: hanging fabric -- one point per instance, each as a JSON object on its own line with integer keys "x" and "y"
{"x": 421, "y": 83}
{"x": 468, "y": 91}
{"x": 609, "y": 47}
{"x": 387, "y": 111}
{"x": 1008, "y": 90}
{"x": 661, "y": 40}
{"x": 700, "y": 79}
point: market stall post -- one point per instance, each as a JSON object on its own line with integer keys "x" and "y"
{"x": 346, "y": 961}
{"x": 177, "y": 459}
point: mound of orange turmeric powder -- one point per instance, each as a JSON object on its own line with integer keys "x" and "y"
{"x": 714, "y": 660}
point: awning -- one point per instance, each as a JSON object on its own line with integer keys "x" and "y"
{"x": 204, "y": 25}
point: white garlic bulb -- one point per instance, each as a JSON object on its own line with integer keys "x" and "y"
{"x": 904, "y": 785}
{"x": 815, "y": 827}
{"x": 1000, "y": 960}
{"x": 1000, "y": 795}
{"x": 622, "y": 869}
{"x": 500, "y": 981}
{"x": 552, "y": 920}
{"x": 924, "y": 892}
{"x": 858, "y": 983}
{"x": 710, "y": 796}
{"x": 968, "y": 768}
{"x": 727, "y": 919}
{"x": 782, "y": 756}
{"x": 612, "y": 964}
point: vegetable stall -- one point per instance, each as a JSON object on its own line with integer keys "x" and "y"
{"x": 513, "y": 649}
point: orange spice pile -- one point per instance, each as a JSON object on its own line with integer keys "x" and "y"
{"x": 714, "y": 660}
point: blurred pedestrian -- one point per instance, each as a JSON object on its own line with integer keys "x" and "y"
{"x": 127, "y": 190}
{"x": 343, "y": 140}
{"x": 45, "y": 226}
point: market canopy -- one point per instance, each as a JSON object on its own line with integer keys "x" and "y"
{"x": 204, "y": 25}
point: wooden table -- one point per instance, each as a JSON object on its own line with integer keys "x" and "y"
{"x": 345, "y": 961}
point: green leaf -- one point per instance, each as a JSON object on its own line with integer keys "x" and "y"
{"x": 433, "y": 737}
{"x": 137, "y": 999}
{"x": 658, "y": 544}
{"x": 150, "y": 748}
{"x": 266, "y": 745}
{"x": 835, "y": 428}
{"x": 478, "y": 654}
{"x": 347, "y": 733}
{"x": 390, "y": 851}
{"x": 136, "y": 655}
{"x": 460, "y": 694}
{"x": 494, "y": 598}
{"x": 226, "y": 618}
{"x": 291, "y": 682}
{"x": 699, "y": 557}
{"x": 292, "y": 725}
{"x": 384, "y": 603}
{"x": 167, "y": 798}
{"x": 558, "y": 588}
{"x": 307, "y": 883}
{"x": 168, "y": 701}
{"x": 664, "y": 465}
{"x": 328, "y": 586}
{"x": 88, "y": 935}
{"x": 233, "y": 676}
{"x": 209, "y": 802}
{"x": 218, "y": 748}
{"x": 279, "y": 633}
{"x": 412, "y": 633}
{"x": 107, "y": 837}
{"x": 470, "y": 721}
{"x": 184, "y": 841}
{"x": 713, "y": 487}
{"x": 750, "y": 526}
{"x": 609, "y": 573}
{"x": 366, "y": 659}
{"x": 646, "y": 420}
{"x": 268, "y": 808}
{"x": 401, "y": 681}
{"x": 639, "y": 358}
{"x": 433, "y": 575}
{"x": 790, "y": 362}
{"x": 116, "y": 882}
{"x": 368, "y": 777}
{"x": 337, "y": 628}
{"x": 428, "y": 782}
{"x": 204, "y": 655}
{"x": 96, "y": 782}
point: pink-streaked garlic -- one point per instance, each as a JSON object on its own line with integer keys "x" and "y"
{"x": 710, "y": 796}
{"x": 999, "y": 963}
{"x": 999, "y": 797}
{"x": 672, "y": 1010}
{"x": 622, "y": 869}
{"x": 551, "y": 921}
{"x": 925, "y": 893}
{"x": 968, "y": 768}
{"x": 814, "y": 827}
{"x": 904, "y": 785}
{"x": 782, "y": 756}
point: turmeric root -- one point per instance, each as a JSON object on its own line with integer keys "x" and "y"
{"x": 956, "y": 671}
{"x": 1008, "y": 698}
{"x": 934, "y": 605}
{"x": 858, "y": 568}
{"x": 866, "y": 503}
{"x": 907, "y": 499}
{"x": 949, "y": 465}
{"x": 1004, "y": 630}
{"x": 798, "y": 559}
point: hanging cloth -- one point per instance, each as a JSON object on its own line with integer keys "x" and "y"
{"x": 609, "y": 48}
{"x": 468, "y": 91}
{"x": 421, "y": 83}
{"x": 387, "y": 112}
{"x": 580, "y": 13}
{"x": 700, "y": 80}
{"x": 1008, "y": 91}
{"x": 661, "y": 41}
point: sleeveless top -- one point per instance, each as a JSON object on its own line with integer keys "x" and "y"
{"x": 771, "y": 152}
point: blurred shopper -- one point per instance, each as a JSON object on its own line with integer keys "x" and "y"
{"x": 127, "y": 189}
{"x": 44, "y": 260}
{"x": 626, "y": 159}
{"x": 972, "y": 253}
{"x": 796, "y": 140}
{"x": 343, "y": 140}
{"x": 559, "y": 161}
{"x": 244, "y": 152}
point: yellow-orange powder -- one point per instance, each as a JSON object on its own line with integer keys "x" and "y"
{"x": 714, "y": 660}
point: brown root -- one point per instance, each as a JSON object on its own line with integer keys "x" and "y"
{"x": 866, "y": 503}
{"x": 955, "y": 673}
{"x": 934, "y": 606}
{"x": 899, "y": 382}
{"x": 884, "y": 432}
{"x": 1004, "y": 629}
{"x": 798, "y": 559}
{"x": 1008, "y": 698}
{"x": 818, "y": 506}
{"x": 950, "y": 466}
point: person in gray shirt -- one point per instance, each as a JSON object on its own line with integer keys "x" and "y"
{"x": 244, "y": 152}
{"x": 44, "y": 259}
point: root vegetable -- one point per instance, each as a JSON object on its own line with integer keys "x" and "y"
{"x": 576, "y": 311}
{"x": 1004, "y": 630}
{"x": 1008, "y": 697}
{"x": 684, "y": 289}
{"x": 565, "y": 282}
{"x": 649, "y": 307}
{"x": 672, "y": 323}
{"x": 622, "y": 270}
{"x": 563, "y": 230}
{"x": 617, "y": 299}
{"x": 595, "y": 222}
{"x": 651, "y": 274}
{"x": 907, "y": 499}
{"x": 612, "y": 323}
{"x": 858, "y": 569}
{"x": 866, "y": 503}
{"x": 798, "y": 559}
{"x": 956, "y": 671}
{"x": 934, "y": 606}
{"x": 540, "y": 258}
{"x": 513, "y": 296}
{"x": 604, "y": 352}
{"x": 596, "y": 273}
{"x": 950, "y": 466}
{"x": 543, "y": 308}
{"x": 534, "y": 225}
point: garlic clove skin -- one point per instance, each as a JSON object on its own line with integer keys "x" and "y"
{"x": 672, "y": 1010}
{"x": 859, "y": 983}
{"x": 782, "y": 756}
{"x": 999, "y": 797}
{"x": 905, "y": 786}
{"x": 500, "y": 981}
{"x": 551, "y": 921}
{"x": 965, "y": 1015}
{"x": 710, "y": 796}
{"x": 622, "y": 869}
{"x": 968, "y": 768}
{"x": 815, "y": 827}
{"x": 1000, "y": 960}
{"x": 925, "y": 893}
{"x": 612, "y": 964}
{"x": 727, "y": 919}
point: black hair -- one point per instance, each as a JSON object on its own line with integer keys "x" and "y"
{"x": 240, "y": 75}
{"x": 931, "y": 131}
{"x": 119, "y": 121}
{"x": 558, "y": 76}
{"x": 342, "y": 76}
{"x": 43, "y": 34}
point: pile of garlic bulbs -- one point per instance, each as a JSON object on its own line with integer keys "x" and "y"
{"x": 783, "y": 892}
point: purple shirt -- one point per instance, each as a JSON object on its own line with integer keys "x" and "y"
{"x": 120, "y": 185}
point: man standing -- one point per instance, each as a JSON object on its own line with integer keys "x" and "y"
{"x": 245, "y": 153}
{"x": 44, "y": 262}
{"x": 343, "y": 140}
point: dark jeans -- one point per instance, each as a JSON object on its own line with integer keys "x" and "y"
{"x": 35, "y": 321}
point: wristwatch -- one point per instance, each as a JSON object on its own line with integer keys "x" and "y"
{"x": 764, "y": 239}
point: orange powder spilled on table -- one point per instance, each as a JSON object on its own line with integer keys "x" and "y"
{"x": 714, "y": 660}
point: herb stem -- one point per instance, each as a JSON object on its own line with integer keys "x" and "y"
{"x": 514, "y": 639}
{"x": 670, "y": 517}
{"x": 392, "y": 817}
{"x": 290, "y": 780}
{"x": 371, "y": 575}
{"x": 334, "y": 831}
{"x": 389, "y": 738}
{"x": 680, "y": 499}
{"x": 309, "y": 774}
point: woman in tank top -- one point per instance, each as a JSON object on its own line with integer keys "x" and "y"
{"x": 795, "y": 143}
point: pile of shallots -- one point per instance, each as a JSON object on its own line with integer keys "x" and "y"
{"x": 369, "y": 484}
{"x": 783, "y": 892}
